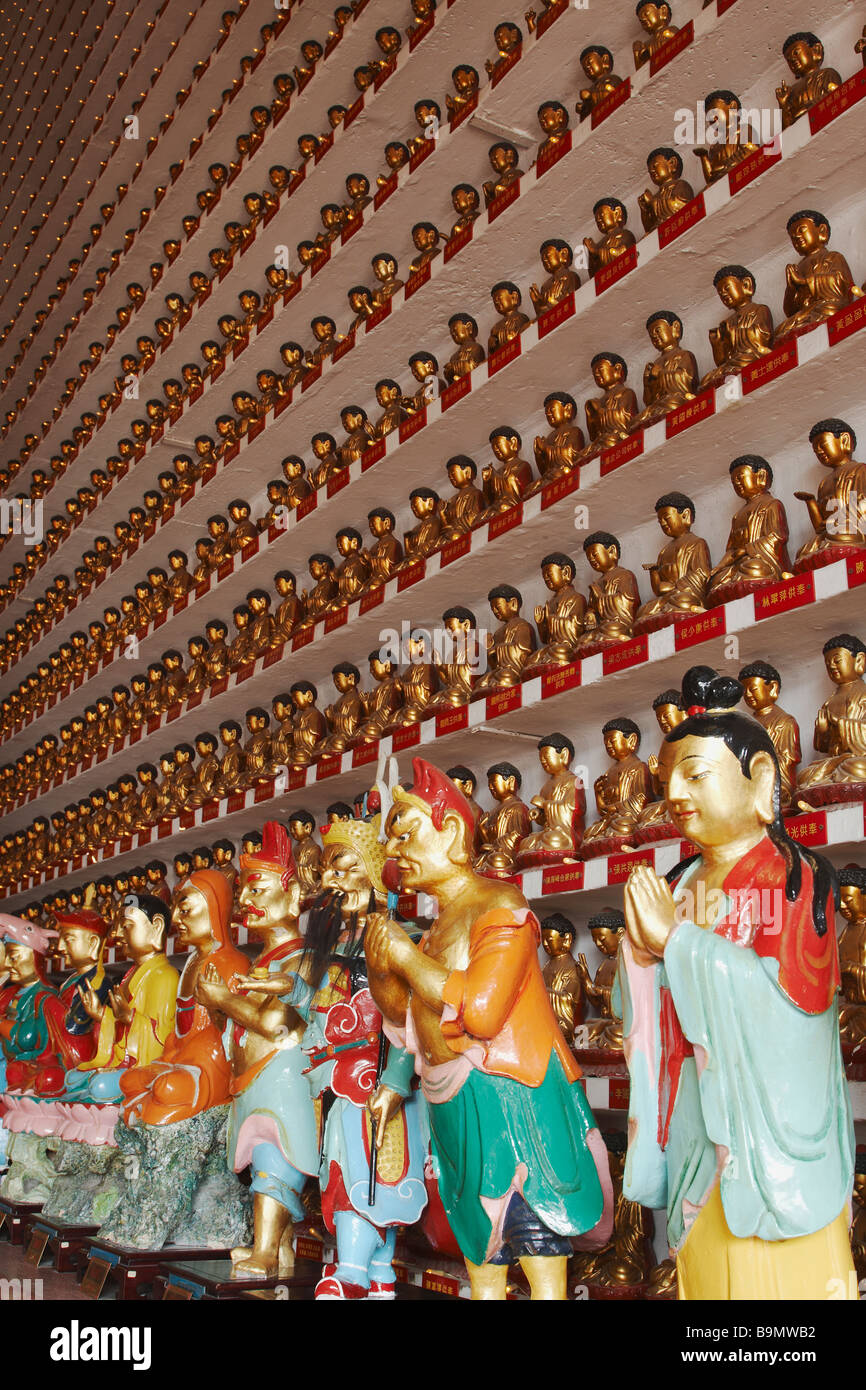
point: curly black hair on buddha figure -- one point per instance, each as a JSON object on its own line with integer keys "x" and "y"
{"x": 709, "y": 700}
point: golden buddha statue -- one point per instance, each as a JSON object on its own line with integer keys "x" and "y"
{"x": 732, "y": 139}
{"x": 503, "y": 828}
{"x": 197, "y": 678}
{"x": 560, "y": 620}
{"x": 601, "y": 80}
{"x": 554, "y": 120}
{"x": 561, "y": 975}
{"x": 428, "y": 118}
{"x": 511, "y": 645}
{"x": 319, "y": 599}
{"x": 672, "y": 378}
{"x": 852, "y": 958}
{"x": 465, "y": 80}
{"x": 464, "y": 510}
{"x": 298, "y": 486}
{"x": 838, "y": 513}
{"x": 804, "y": 54}
{"x": 425, "y": 238}
{"x": 665, "y": 168}
{"x": 327, "y": 458}
{"x": 611, "y": 217}
{"x": 283, "y": 736}
{"x": 257, "y": 750}
{"x": 386, "y": 553}
{"x": 821, "y": 283}
{"x": 681, "y": 572}
{"x": 506, "y": 486}
{"x": 457, "y": 663}
{"x": 232, "y": 773}
{"x": 620, "y": 793}
{"x": 507, "y": 299}
{"x": 609, "y": 417}
{"x": 289, "y": 609}
{"x": 388, "y": 283}
{"x": 746, "y": 334}
{"x": 654, "y": 821}
{"x": 309, "y": 723}
{"x": 396, "y": 156}
{"x": 353, "y": 572}
{"x": 422, "y": 540}
{"x": 508, "y": 38}
{"x": 840, "y": 729}
{"x": 383, "y": 702}
{"x": 757, "y": 548}
{"x": 469, "y": 354}
{"x": 613, "y": 599}
{"x": 466, "y": 202}
{"x": 306, "y": 852}
{"x": 419, "y": 678}
{"x": 346, "y": 714}
{"x": 241, "y": 649}
{"x": 606, "y": 929}
{"x": 655, "y": 20}
{"x": 559, "y": 807}
{"x": 390, "y": 397}
{"x": 504, "y": 161}
{"x": 559, "y": 451}
{"x": 762, "y": 686}
{"x": 557, "y": 257}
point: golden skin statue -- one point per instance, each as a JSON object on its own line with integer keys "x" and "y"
{"x": 508, "y": 39}
{"x": 386, "y": 553}
{"x": 511, "y": 645}
{"x": 507, "y": 299}
{"x": 353, "y": 571}
{"x": 422, "y": 540}
{"x": 757, "y": 548}
{"x": 852, "y": 956}
{"x": 840, "y": 728}
{"x": 390, "y": 397}
{"x": 318, "y": 600}
{"x": 610, "y": 218}
{"x": 655, "y": 20}
{"x": 469, "y": 354}
{"x": 557, "y": 258}
{"x": 307, "y": 853}
{"x": 606, "y": 929}
{"x": 310, "y": 724}
{"x": 466, "y": 202}
{"x": 560, "y": 620}
{"x": 804, "y": 54}
{"x": 504, "y": 161}
{"x": 746, "y": 334}
{"x": 762, "y": 686}
{"x": 559, "y": 807}
{"x": 621, "y": 793}
{"x": 601, "y": 80}
{"x": 507, "y": 485}
{"x": 504, "y": 827}
{"x": 346, "y": 714}
{"x": 821, "y": 283}
{"x": 382, "y": 704}
{"x": 464, "y": 510}
{"x": 419, "y": 679}
{"x": 838, "y": 513}
{"x": 559, "y": 451}
{"x": 613, "y": 599}
{"x": 258, "y": 751}
{"x": 654, "y": 822}
{"x": 681, "y": 572}
{"x": 553, "y": 119}
{"x": 232, "y": 773}
{"x": 465, "y": 80}
{"x": 289, "y": 609}
{"x": 723, "y": 113}
{"x": 456, "y": 672}
{"x": 609, "y": 417}
{"x": 561, "y": 975}
{"x": 672, "y": 377}
{"x": 671, "y": 191}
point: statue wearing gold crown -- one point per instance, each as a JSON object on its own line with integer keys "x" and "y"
{"x": 374, "y": 1141}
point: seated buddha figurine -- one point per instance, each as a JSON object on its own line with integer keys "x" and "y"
{"x": 732, "y": 137}
{"x": 464, "y": 509}
{"x": 613, "y": 598}
{"x": 665, "y": 168}
{"x": 838, "y": 513}
{"x": 396, "y": 156}
{"x": 469, "y": 354}
{"x": 762, "y": 686}
{"x": 387, "y": 280}
{"x": 386, "y": 552}
{"x": 611, "y": 217}
{"x": 507, "y": 485}
{"x": 558, "y": 451}
{"x": 508, "y": 38}
{"x": 654, "y": 822}
{"x": 425, "y": 238}
{"x": 557, "y": 258}
{"x": 428, "y": 117}
{"x": 559, "y": 807}
{"x": 746, "y": 334}
{"x": 560, "y": 974}
{"x": 135, "y": 1021}
{"x": 289, "y": 608}
{"x": 609, "y": 416}
{"x": 507, "y": 299}
{"x": 257, "y": 750}
{"x": 466, "y": 202}
{"x": 504, "y": 161}
{"x": 655, "y": 20}
{"x": 422, "y": 540}
{"x": 511, "y": 645}
{"x": 804, "y": 54}
{"x": 672, "y": 377}
{"x": 389, "y": 397}
{"x": 192, "y": 1074}
{"x": 419, "y": 679}
{"x": 306, "y": 851}
{"x": 465, "y": 80}
{"x": 839, "y": 773}
{"x": 457, "y": 660}
{"x": 757, "y": 547}
{"x": 359, "y": 434}
{"x": 504, "y": 827}
{"x": 821, "y": 283}
{"x": 318, "y": 600}
{"x": 383, "y": 702}
{"x": 620, "y": 793}
{"x": 681, "y": 572}
{"x": 309, "y": 725}
{"x": 553, "y": 119}
{"x": 353, "y": 572}
{"x": 346, "y": 714}
{"x": 560, "y": 620}
{"x": 852, "y": 956}
{"x": 607, "y": 928}
{"x": 601, "y": 80}
{"x": 233, "y": 766}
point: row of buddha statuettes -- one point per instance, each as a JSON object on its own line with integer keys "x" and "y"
{"x": 630, "y": 808}
{"x": 682, "y": 577}
{"x": 818, "y": 286}
{"x": 670, "y": 193}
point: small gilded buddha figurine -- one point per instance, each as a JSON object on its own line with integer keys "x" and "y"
{"x": 852, "y": 958}
{"x": 559, "y": 451}
{"x": 804, "y": 54}
{"x": 425, "y": 238}
{"x": 419, "y": 679}
{"x": 611, "y": 217}
{"x": 654, "y": 822}
{"x": 609, "y": 417}
{"x": 382, "y": 703}
{"x": 840, "y": 729}
{"x": 821, "y": 283}
{"x": 389, "y": 397}
{"x": 757, "y": 548}
{"x": 464, "y": 510}
{"x": 289, "y": 609}
{"x": 681, "y": 572}
{"x": 504, "y": 161}
{"x": 557, "y": 258}
{"x": 601, "y": 80}
{"x": 559, "y": 808}
{"x": 655, "y": 20}
{"x": 762, "y": 686}
{"x": 385, "y": 270}
{"x": 359, "y": 434}
{"x": 561, "y": 975}
{"x": 465, "y": 80}
{"x": 607, "y": 929}
{"x": 306, "y": 852}
{"x": 613, "y": 598}
{"x": 458, "y": 662}
{"x": 732, "y": 137}
{"x": 560, "y": 620}
{"x": 428, "y": 116}
{"x": 396, "y": 156}
{"x": 232, "y": 774}
{"x": 746, "y": 334}
{"x": 385, "y": 555}
{"x": 469, "y": 354}
{"x": 503, "y": 828}
{"x": 838, "y": 513}
{"x": 346, "y": 714}
{"x": 466, "y": 202}
{"x": 665, "y": 168}
{"x": 353, "y": 571}
{"x": 553, "y": 119}
{"x": 507, "y": 485}
{"x": 672, "y": 377}
{"x": 327, "y": 459}
{"x": 507, "y": 299}
{"x": 621, "y": 793}
{"x": 257, "y": 750}
{"x": 422, "y": 540}
{"x": 511, "y": 645}
{"x": 318, "y": 600}
{"x": 508, "y": 38}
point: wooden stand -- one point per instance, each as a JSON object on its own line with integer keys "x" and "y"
{"x": 13, "y": 1218}
{"x": 104, "y": 1268}
{"x": 210, "y": 1280}
{"x": 62, "y": 1241}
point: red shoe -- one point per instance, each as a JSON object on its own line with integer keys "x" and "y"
{"x": 338, "y": 1290}
{"x": 382, "y": 1291}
